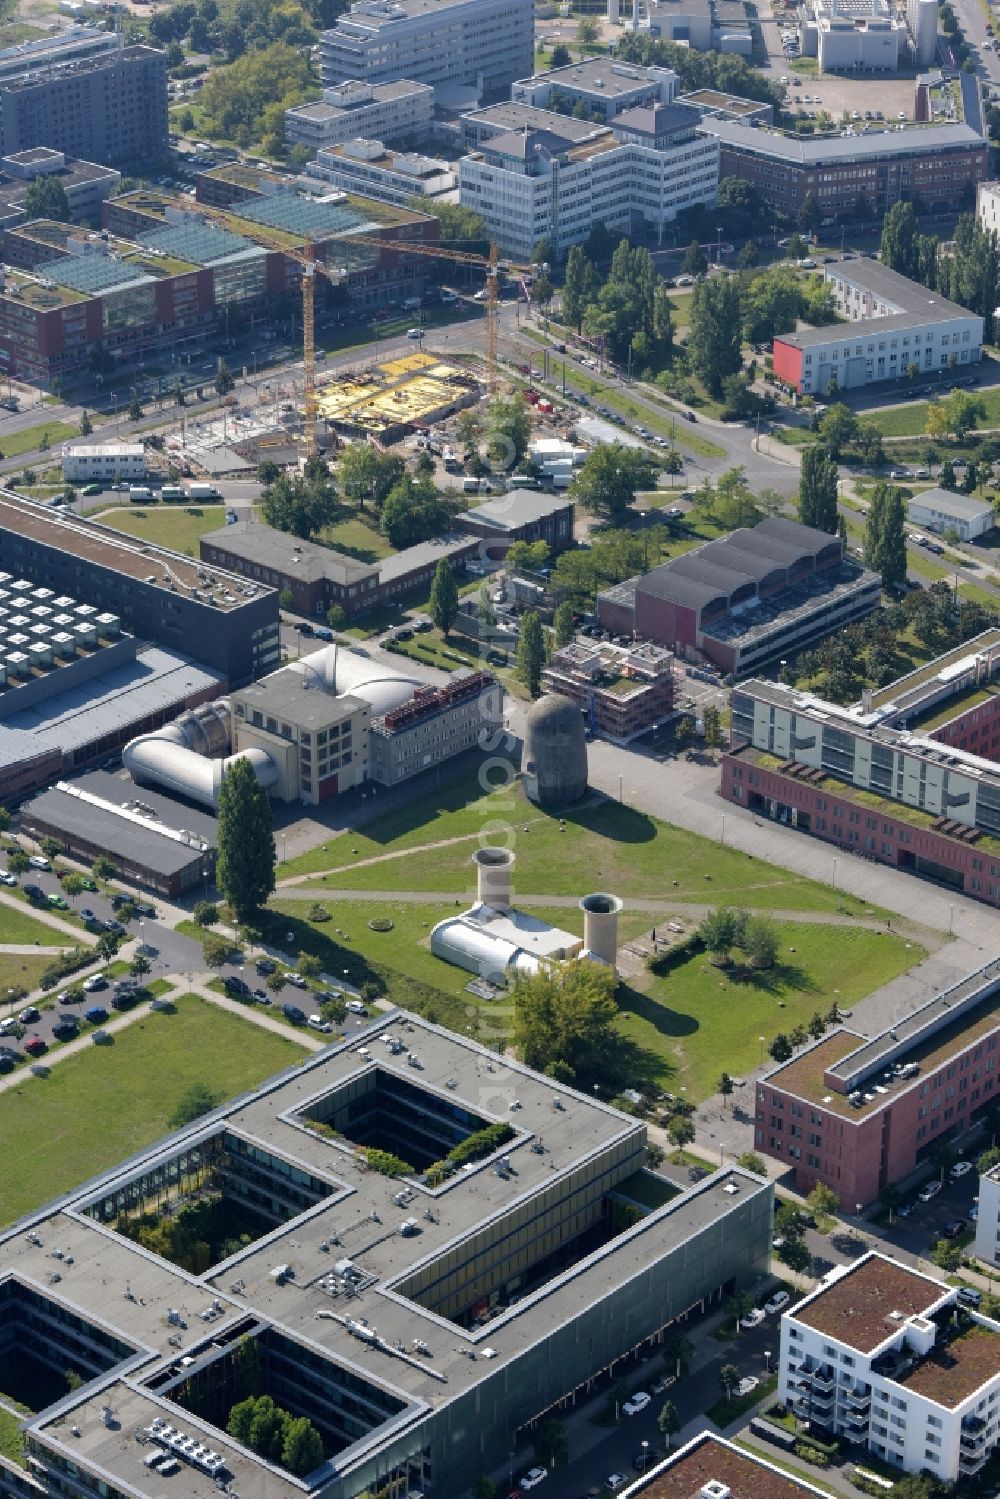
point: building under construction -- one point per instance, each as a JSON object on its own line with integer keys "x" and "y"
{"x": 387, "y": 401}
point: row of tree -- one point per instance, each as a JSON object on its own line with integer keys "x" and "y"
{"x": 967, "y": 270}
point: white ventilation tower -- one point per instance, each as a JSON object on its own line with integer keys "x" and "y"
{"x": 600, "y": 927}
{"x": 493, "y": 868}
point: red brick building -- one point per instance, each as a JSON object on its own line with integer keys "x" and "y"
{"x": 941, "y": 165}
{"x": 856, "y": 1114}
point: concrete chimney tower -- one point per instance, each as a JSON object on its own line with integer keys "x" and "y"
{"x": 600, "y": 927}
{"x": 493, "y": 867}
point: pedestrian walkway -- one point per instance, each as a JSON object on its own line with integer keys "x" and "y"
{"x": 29, "y": 949}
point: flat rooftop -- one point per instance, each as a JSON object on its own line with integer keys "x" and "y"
{"x": 288, "y": 694}
{"x": 708, "y": 1458}
{"x": 961, "y": 506}
{"x": 400, "y": 1051}
{"x": 856, "y": 1307}
{"x": 518, "y": 507}
{"x": 76, "y": 66}
{"x": 599, "y": 75}
{"x": 846, "y": 1052}
{"x": 411, "y": 559}
{"x": 957, "y": 1368}
{"x": 154, "y": 565}
{"x": 129, "y": 822}
{"x": 514, "y": 116}
{"x": 281, "y": 552}
{"x": 803, "y": 151}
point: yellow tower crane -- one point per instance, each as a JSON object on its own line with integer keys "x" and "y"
{"x": 491, "y": 264}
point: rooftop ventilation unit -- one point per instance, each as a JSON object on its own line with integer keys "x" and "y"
{"x": 714, "y": 1489}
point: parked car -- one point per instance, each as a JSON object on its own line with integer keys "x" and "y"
{"x": 7, "y": 879}
{"x": 96, "y": 1015}
{"x": 294, "y": 1014}
{"x": 266, "y": 966}
{"x": 614, "y": 1481}
{"x": 969, "y": 1296}
{"x": 58, "y": 901}
{"x": 960, "y": 1169}
{"x": 638, "y": 1403}
{"x": 35, "y": 1046}
{"x": 930, "y": 1191}
{"x": 317, "y": 1023}
{"x": 296, "y": 980}
{"x": 753, "y": 1318}
{"x": 777, "y": 1302}
{"x": 533, "y": 1478}
{"x": 748, "y": 1385}
{"x": 663, "y": 1384}
{"x": 95, "y": 982}
{"x": 29, "y": 1015}
{"x": 66, "y": 1028}
{"x": 953, "y": 1228}
{"x": 38, "y": 861}
{"x": 87, "y": 914}
{"x": 34, "y": 892}
{"x": 355, "y": 1007}
{"x": 234, "y": 985}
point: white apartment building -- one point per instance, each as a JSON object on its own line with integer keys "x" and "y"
{"x": 94, "y": 462}
{"x": 382, "y": 111}
{"x": 898, "y": 324}
{"x": 894, "y": 1362}
{"x": 366, "y": 167}
{"x": 988, "y": 1222}
{"x": 484, "y": 44}
{"x": 638, "y": 175}
{"x": 988, "y": 205}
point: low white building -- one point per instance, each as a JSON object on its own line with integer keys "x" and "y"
{"x": 386, "y": 111}
{"x": 853, "y": 36}
{"x": 894, "y": 1362}
{"x": 988, "y": 205}
{"x": 893, "y": 326}
{"x": 368, "y": 168}
{"x": 98, "y": 462}
{"x": 603, "y": 86}
{"x": 638, "y": 175}
{"x": 940, "y": 510}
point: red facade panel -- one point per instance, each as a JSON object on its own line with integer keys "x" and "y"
{"x": 787, "y": 363}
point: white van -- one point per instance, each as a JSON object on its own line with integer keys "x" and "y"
{"x": 476, "y": 486}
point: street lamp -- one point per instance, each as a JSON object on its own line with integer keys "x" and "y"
{"x": 761, "y": 1040}
{"x": 645, "y": 1453}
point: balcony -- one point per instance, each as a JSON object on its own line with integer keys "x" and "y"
{"x": 967, "y": 1464}
{"x": 857, "y": 1400}
{"x": 820, "y": 1380}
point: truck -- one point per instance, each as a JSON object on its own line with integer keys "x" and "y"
{"x": 173, "y": 492}
{"x": 203, "y": 492}
{"x": 137, "y": 493}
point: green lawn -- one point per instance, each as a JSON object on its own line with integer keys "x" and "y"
{"x": 698, "y": 1018}
{"x": 605, "y": 846}
{"x": 352, "y": 536}
{"x": 20, "y": 926}
{"x": 101, "y": 1105}
{"x": 21, "y": 970}
{"x": 29, "y": 438}
{"x": 431, "y": 649}
{"x": 724, "y": 1411}
{"x": 176, "y": 526}
{"x": 911, "y": 420}
{"x": 11, "y": 1441}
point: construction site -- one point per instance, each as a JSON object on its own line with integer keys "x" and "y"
{"x": 387, "y": 401}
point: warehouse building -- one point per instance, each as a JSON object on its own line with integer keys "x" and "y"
{"x": 857, "y": 1112}
{"x": 109, "y": 107}
{"x": 941, "y": 165}
{"x": 943, "y": 511}
{"x": 521, "y": 515}
{"x": 902, "y": 326}
{"x": 397, "y": 111}
{"x": 748, "y": 599}
{"x": 213, "y": 617}
{"x": 165, "y": 845}
{"x": 421, "y": 1350}
{"x": 74, "y": 686}
{"x": 479, "y": 44}
{"x": 111, "y": 462}
{"x": 877, "y": 1337}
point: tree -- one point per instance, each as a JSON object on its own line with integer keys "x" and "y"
{"x": 563, "y": 623}
{"x": 824, "y": 1201}
{"x": 302, "y": 1448}
{"x": 526, "y": 556}
{"x": 780, "y": 1048}
{"x": 205, "y": 913}
{"x": 412, "y": 512}
{"x": 443, "y": 603}
{"x": 946, "y": 1255}
{"x": 795, "y": 1254}
{"x": 139, "y": 965}
{"x": 308, "y": 964}
{"x": 224, "y": 381}
{"x": 748, "y": 256}
{"x": 217, "y": 950}
{"x": 193, "y": 1104}
{"x": 103, "y": 869}
{"x": 751, "y": 1161}
{"x": 134, "y": 408}
{"x": 530, "y": 656}
{"x": 18, "y": 861}
{"x": 485, "y": 611}
{"x": 567, "y": 1015}
{"x": 695, "y": 260}
{"x": 712, "y": 734}
{"x": 871, "y": 448}
{"x": 737, "y": 1307}
{"x": 680, "y": 1131}
{"x": 726, "y": 1085}
{"x": 838, "y": 428}
{"x": 684, "y": 732}
{"x": 51, "y": 847}
{"x": 946, "y": 475}
{"x": 668, "y": 1422}
{"x": 86, "y": 425}
{"x": 609, "y": 477}
{"x": 46, "y": 199}
{"x": 244, "y": 866}
{"x": 714, "y": 349}
{"x": 759, "y": 941}
{"x": 720, "y": 931}
{"x": 107, "y": 946}
{"x": 336, "y": 617}
{"x": 729, "y": 1378}
{"x": 560, "y": 57}
{"x": 885, "y": 534}
{"x": 580, "y": 286}
{"x": 73, "y": 885}
{"x": 898, "y": 249}
{"x": 818, "y": 489}
{"x": 988, "y": 1160}
{"x": 302, "y": 505}
{"x": 551, "y": 1446}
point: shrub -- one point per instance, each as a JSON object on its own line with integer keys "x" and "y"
{"x": 316, "y": 912}
{"x": 205, "y": 913}
{"x": 380, "y": 924}
{"x": 483, "y": 1142}
{"x": 811, "y": 1454}
{"x": 387, "y": 1164}
{"x": 371, "y": 990}
{"x": 67, "y": 962}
